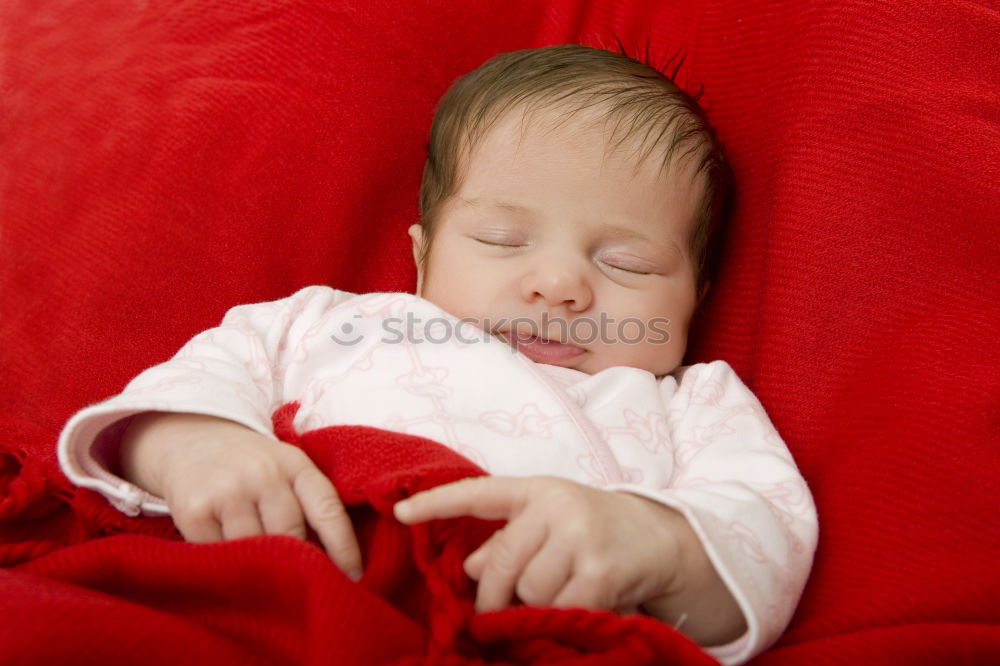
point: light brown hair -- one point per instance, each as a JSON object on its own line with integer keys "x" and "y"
{"x": 641, "y": 104}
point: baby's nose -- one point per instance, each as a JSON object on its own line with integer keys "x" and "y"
{"x": 558, "y": 285}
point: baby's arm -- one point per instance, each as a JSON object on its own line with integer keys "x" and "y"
{"x": 739, "y": 489}
{"x": 233, "y": 372}
{"x": 723, "y": 552}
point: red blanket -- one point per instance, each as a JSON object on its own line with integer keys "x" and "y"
{"x": 161, "y": 161}
{"x": 275, "y": 600}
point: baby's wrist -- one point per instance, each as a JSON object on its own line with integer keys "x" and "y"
{"x": 675, "y": 542}
{"x": 146, "y": 444}
{"x": 697, "y": 601}
{"x": 137, "y": 457}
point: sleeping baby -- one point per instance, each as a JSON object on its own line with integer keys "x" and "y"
{"x": 568, "y": 207}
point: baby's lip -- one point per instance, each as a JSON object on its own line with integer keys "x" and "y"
{"x": 527, "y": 336}
{"x": 541, "y": 349}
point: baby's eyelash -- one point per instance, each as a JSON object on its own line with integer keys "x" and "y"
{"x": 626, "y": 270}
{"x": 493, "y": 243}
{"x": 496, "y": 244}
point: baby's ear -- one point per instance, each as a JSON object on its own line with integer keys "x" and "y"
{"x": 417, "y": 236}
{"x": 704, "y": 291}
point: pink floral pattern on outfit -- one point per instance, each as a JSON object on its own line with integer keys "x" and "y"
{"x": 697, "y": 440}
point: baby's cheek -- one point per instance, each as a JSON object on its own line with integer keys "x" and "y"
{"x": 661, "y": 349}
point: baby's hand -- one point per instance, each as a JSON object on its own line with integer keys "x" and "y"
{"x": 224, "y": 481}
{"x": 565, "y": 544}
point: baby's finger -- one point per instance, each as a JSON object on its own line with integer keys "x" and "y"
{"x": 204, "y": 528}
{"x": 327, "y": 515}
{"x": 545, "y": 575}
{"x": 475, "y": 562}
{"x": 280, "y": 513}
{"x": 594, "y": 589}
{"x": 240, "y": 520}
{"x": 489, "y": 497}
{"x": 509, "y": 554}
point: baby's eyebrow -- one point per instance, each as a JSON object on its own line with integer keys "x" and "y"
{"x": 617, "y": 232}
{"x": 495, "y": 203}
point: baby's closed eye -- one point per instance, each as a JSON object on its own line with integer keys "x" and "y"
{"x": 628, "y": 264}
{"x": 499, "y": 241}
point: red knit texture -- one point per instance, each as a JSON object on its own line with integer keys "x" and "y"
{"x": 161, "y": 161}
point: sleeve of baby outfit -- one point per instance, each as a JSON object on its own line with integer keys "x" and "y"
{"x": 233, "y": 371}
{"x": 736, "y": 483}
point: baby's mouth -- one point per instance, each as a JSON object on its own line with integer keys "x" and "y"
{"x": 541, "y": 350}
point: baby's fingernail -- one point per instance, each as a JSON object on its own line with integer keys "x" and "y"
{"x": 355, "y": 574}
{"x": 402, "y": 509}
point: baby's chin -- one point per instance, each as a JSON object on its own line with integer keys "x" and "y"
{"x": 597, "y": 360}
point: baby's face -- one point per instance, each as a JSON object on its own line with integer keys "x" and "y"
{"x": 549, "y": 238}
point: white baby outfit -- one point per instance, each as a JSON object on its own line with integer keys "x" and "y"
{"x": 697, "y": 440}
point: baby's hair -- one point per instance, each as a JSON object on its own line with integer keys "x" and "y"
{"x": 639, "y": 103}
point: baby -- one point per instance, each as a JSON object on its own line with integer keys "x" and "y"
{"x": 568, "y": 203}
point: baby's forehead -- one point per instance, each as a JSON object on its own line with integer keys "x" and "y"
{"x": 516, "y": 144}
{"x": 631, "y": 138}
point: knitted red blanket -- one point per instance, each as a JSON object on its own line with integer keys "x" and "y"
{"x": 273, "y": 600}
